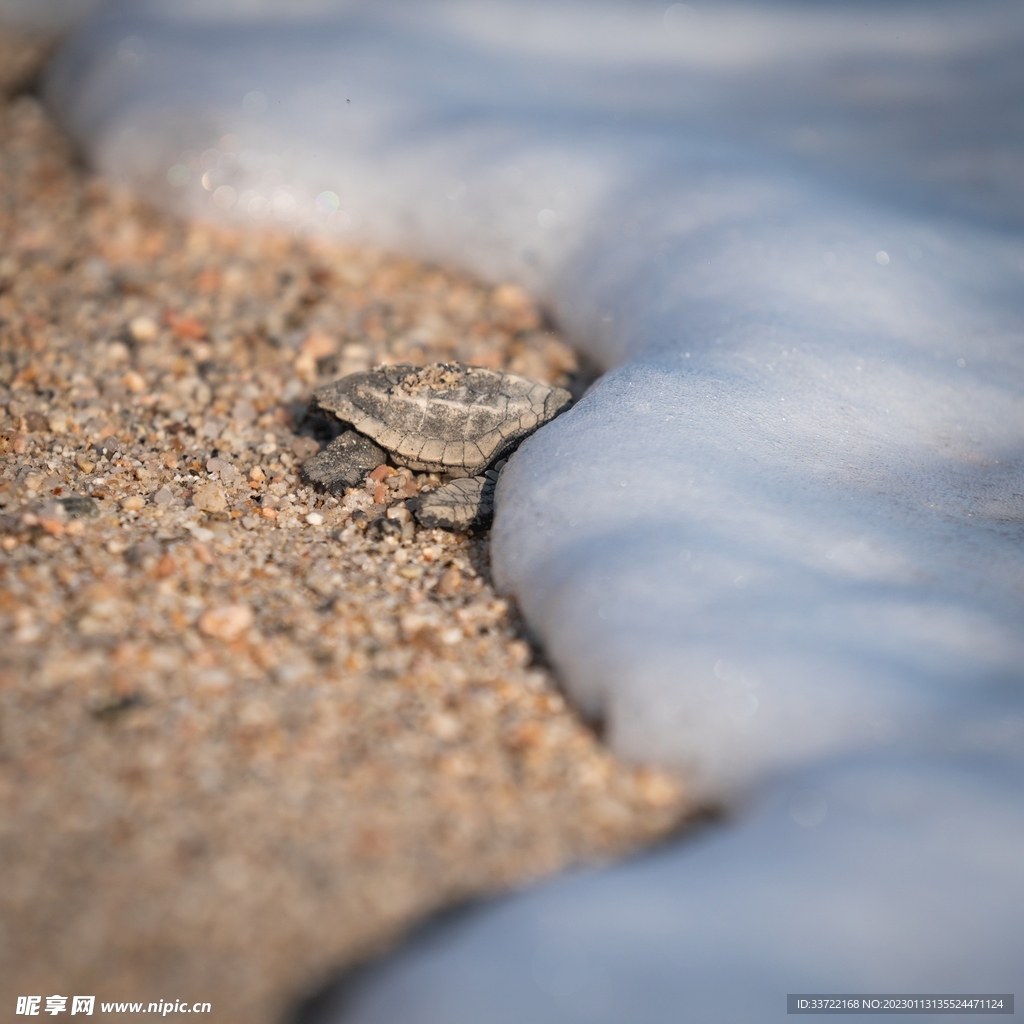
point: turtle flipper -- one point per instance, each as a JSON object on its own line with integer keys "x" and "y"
{"x": 343, "y": 463}
{"x": 464, "y": 504}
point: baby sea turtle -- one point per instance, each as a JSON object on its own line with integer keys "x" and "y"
{"x": 463, "y": 421}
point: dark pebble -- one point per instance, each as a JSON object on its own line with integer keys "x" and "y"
{"x": 78, "y": 506}
{"x": 384, "y": 527}
{"x": 111, "y": 708}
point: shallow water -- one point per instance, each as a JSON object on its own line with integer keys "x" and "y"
{"x": 778, "y": 544}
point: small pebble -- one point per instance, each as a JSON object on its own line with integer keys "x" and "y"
{"x": 36, "y": 422}
{"x": 243, "y": 412}
{"x": 226, "y": 622}
{"x": 134, "y": 382}
{"x": 210, "y": 498}
{"x": 223, "y": 468}
{"x": 143, "y": 328}
{"x": 319, "y": 344}
{"x": 305, "y": 447}
{"x": 451, "y": 582}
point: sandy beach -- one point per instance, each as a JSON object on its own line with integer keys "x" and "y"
{"x": 245, "y": 741}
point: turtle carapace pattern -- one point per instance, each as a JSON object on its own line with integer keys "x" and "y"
{"x": 445, "y": 418}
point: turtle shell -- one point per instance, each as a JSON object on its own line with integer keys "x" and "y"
{"x": 445, "y": 418}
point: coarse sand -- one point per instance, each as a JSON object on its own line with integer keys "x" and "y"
{"x": 245, "y": 740}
